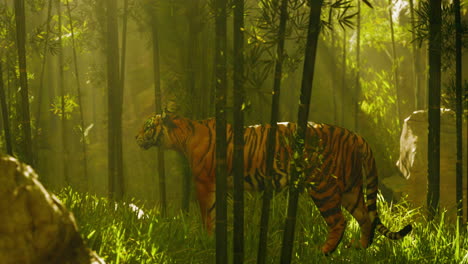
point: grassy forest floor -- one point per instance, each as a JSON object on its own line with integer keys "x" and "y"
{"x": 117, "y": 234}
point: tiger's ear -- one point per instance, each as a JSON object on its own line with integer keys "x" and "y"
{"x": 168, "y": 118}
{"x": 172, "y": 107}
{"x": 167, "y": 113}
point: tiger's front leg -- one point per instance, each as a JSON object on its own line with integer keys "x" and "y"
{"x": 206, "y": 200}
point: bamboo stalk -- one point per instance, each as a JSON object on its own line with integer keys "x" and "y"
{"x": 221, "y": 148}
{"x": 158, "y": 106}
{"x": 299, "y": 138}
{"x": 238, "y": 127}
{"x": 80, "y": 101}
{"x": 20, "y": 18}
{"x": 395, "y": 67}
{"x": 271, "y": 137}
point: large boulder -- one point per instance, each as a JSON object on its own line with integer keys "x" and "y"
{"x": 35, "y": 227}
{"x": 412, "y": 162}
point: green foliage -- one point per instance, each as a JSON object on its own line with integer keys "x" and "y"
{"x": 448, "y": 47}
{"x": 35, "y": 5}
{"x": 379, "y": 122}
{"x": 7, "y": 23}
{"x": 70, "y": 106}
{"x": 379, "y": 107}
{"x": 379, "y": 97}
{"x": 448, "y": 96}
{"x": 344, "y": 18}
{"x": 375, "y": 29}
{"x": 114, "y": 230}
{"x": 95, "y": 77}
{"x": 447, "y": 31}
{"x": 116, "y": 233}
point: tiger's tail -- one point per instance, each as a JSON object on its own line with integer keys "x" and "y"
{"x": 371, "y": 194}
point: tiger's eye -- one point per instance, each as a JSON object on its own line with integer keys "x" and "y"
{"x": 148, "y": 133}
{"x": 149, "y": 124}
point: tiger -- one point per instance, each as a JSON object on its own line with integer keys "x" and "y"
{"x": 335, "y": 182}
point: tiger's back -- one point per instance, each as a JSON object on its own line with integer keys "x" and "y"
{"x": 333, "y": 143}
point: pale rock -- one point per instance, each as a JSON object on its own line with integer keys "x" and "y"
{"x": 412, "y": 162}
{"x": 35, "y": 228}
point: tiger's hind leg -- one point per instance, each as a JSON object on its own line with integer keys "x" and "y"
{"x": 329, "y": 205}
{"x": 353, "y": 201}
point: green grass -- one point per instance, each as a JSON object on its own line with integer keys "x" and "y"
{"x": 119, "y": 236}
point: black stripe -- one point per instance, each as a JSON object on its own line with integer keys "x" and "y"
{"x": 373, "y": 193}
{"x": 251, "y": 148}
{"x": 277, "y": 180}
{"x": 356, "y": 174}
{"x": 212, "y": 207}
{"x": 260, "y": 180}
{"x": 341, "y": 155}
{"x": 330, "y": 212}
{"x": 248, "y": 179}
{"x": 326, "y": 165}
{"x": 372, "y": 184}
{"x": 360, "y": 196}
{"x": 323, "y": 189}
{"x": 229, "y": 136}
{"x": 323, "y": 200}
{"x": 372, "y": 207}
{"x": 192, "y": 126}
{"x": 355, "y": 178}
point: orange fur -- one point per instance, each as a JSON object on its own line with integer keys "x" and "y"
{"x": 334, "y": 181}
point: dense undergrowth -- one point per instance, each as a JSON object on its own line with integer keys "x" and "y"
{"x": 118, "y": 235}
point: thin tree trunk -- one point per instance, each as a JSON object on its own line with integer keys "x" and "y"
{"x": 238, "y": 130}
{"x": 8, "y": 91}
{"x": 433, "y": 148}
{"x": 124, "y": 49}
{"x": 333, "y": 66}
{"x": 206, "y": 74}
{"x": 299, "y": 138}
{"x": 459, "y": 110}
{"x": 61, "y": 79}
{"x": 6, "y": 124}
{"x": 192, "y": 27}
{"x": 418, "y": 103}
{"x": 80, "y": 101}
{"x": 423, "y": 73}
{"x": 395, "y": 63}
{"x": 157, "y": 99}
{"x": 119, "y": 108}
{"x": 358, "y": 68}
{"x": 12, "y": 99}
{"x": 25, "y": 115}
{"x": 196, "y": 105}
{"x": 271, "y": 138}
{"x": 113, "y": 84}
{"x": 221, "y": 163}
{"x": 41, "y": 80}
{"x": 53, "y": 137}
{"x": 343, "y": 78}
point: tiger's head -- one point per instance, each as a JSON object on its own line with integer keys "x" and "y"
{"x": 154, "y": 132}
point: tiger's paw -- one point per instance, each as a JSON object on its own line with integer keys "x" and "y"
{"x": 327, "y": 249}
{"x": 354, "y": 244}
